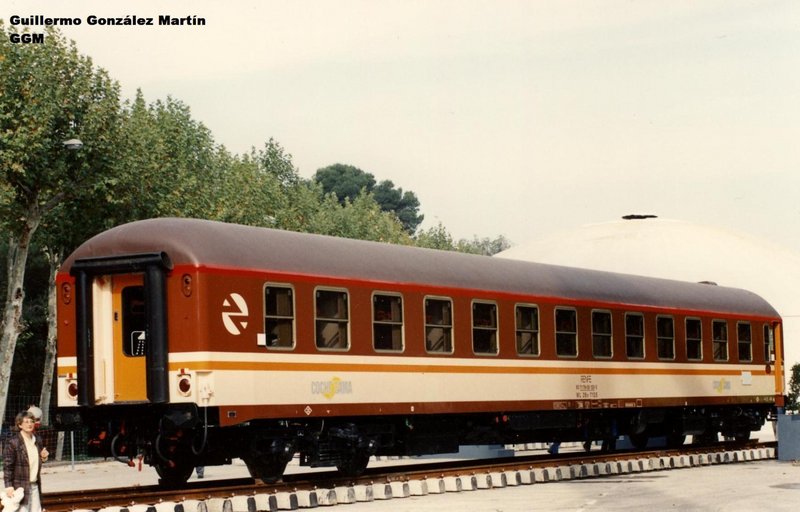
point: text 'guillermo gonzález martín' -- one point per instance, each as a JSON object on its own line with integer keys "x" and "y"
{"x": 130, "y": 20}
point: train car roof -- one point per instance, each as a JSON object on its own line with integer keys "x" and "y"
{"x": 202, "y": 243}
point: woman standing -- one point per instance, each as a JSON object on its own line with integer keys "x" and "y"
{"x": 22, "y": 458}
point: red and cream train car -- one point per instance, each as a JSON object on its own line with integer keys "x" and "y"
{"x": 192, "y": 342}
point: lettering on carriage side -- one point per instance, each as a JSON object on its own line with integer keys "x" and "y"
{"x": 235, "y": 321}
{"x": 331, "y": 388}
{"x": 586, "y": 389}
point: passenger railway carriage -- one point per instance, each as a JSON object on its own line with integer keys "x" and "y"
{"x": 190, "y": 342}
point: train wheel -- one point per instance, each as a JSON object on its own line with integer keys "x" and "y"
{"x": 705, "y": 438}
{"x": 269, "y": 469}
{"x": 675, "y": 440}
{"x": 353, "y": 464}
{"x": 639, "y": 441}
{"x": 741, "y": 437}
{"x": 174, "y": 474}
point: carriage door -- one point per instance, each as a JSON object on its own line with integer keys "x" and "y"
{"x": 130, "y": 338}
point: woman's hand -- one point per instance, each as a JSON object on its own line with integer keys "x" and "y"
{"x": 10, "y": 492}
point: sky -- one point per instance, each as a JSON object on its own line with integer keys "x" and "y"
{"x": 520, "y": 118}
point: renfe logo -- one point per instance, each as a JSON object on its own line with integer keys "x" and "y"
{"x": 231, "y": 319}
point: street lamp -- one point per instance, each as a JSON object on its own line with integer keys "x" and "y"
{"x": 73, "y": 144}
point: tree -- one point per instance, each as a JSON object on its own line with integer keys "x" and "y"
{"x": 51, "y": 93}
{"x": 404, "y": 204}
{"x": 438, "y": 237}
{"x": 54, "y": 259}
{"x": 308, "y": 209}
{"x": 794, "y": 389}
{"x": 258, "y": 186}
{"x": 26, "y": 377}
{"x": 180, "y": 165}
{"x": 274, "y": 160}
{"x": 485, "y": 246}
{"x": 361, "y": 219}
{"x": 347, "y": 182}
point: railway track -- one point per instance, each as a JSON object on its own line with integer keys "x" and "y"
{"x": 308, "y": 490}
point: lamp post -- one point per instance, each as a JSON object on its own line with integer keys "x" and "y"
{"x": 73, "y": 144}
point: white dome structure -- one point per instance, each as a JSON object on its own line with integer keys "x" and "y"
{"x": 648, "y": 246}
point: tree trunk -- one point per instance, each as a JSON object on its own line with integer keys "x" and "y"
{"x": 48, "y": 373}
{"x": 18, "y": 247}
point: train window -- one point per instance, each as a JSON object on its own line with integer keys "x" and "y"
{"x": 134, "y": 322}
{"x": 332, "y": 320}
{"x": 387, "y": 322}
{"x": 634, "y": 335}
{"x": 439, "y": 325}
{"x": 484, "y": 328}
{"x": 694, "y": 339}
{"x": 769, "y": 344}
{"x": 566, "y": 332}
{"x": 745, "y": 338}
{"x": 665, "y": 337}
{"x": 719, "y": 330}
{"x": 527, "y": 318}
{"x": 279, "y": 316}
{"x": 601, "y": 334}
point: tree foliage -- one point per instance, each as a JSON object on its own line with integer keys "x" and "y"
{"x": 485, "y": 246}
{"x": 438, "y": 237}
{"x": 347, "y": 182}
{"x": 793, "y": 397}
{"x": 310, "y": 210}
{"x": 168, "y": 162}
{"x": 403, "y": 204}
{"x": 51, "y": 93}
